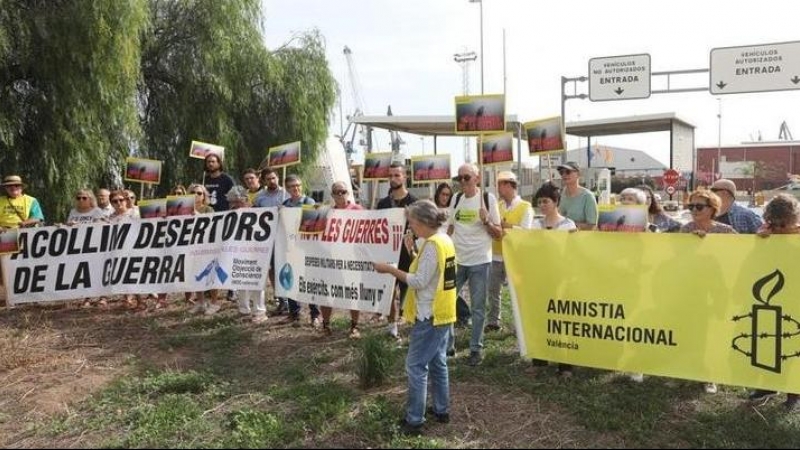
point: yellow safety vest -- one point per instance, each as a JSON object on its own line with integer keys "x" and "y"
{"x": 444, "y": 302}
{"x": 512, "y": 216}
{"x": 14, "y": 210}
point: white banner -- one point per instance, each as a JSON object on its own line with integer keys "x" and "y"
{"x": 334, "y": 268}
{"x": 228, "y": 250}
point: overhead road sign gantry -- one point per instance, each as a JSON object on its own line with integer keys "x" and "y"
{"x": 619, "y": 78}
{"x": 755, "y": 68}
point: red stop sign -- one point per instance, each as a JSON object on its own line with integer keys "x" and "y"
{"x": 671, "y": 177}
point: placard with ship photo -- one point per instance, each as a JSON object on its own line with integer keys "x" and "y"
{"x": 153, "y": 208}
{"x": 284, "y": 155}
{"x": 9, "y": 241}
{"x": 314, "y": 219}
{"x": 200, "y": 150}
{"x": 143, "y": 170}
{"x": 430, "y": 169}
{"x": 180, "y": 205}
{"x": 476, "y": 114}
{"x": 376, "y": 166}
{"x": 496, "y": 148}
{"x": 545, "y": 135}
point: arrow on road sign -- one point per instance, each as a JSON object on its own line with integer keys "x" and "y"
{"x": 721, "y": 85}
{"x": 795, "y": 80}
{"x": 619, "y": 90}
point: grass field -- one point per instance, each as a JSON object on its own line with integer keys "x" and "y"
{"x": 72, "y": 377}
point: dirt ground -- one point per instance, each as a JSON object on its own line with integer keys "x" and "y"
{"x": 53, "y": 357}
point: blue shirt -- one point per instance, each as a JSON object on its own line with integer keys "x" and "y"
{"x": 741, "y": 219}
{"x": 267, "y": 198}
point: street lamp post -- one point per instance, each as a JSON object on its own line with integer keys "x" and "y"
{"x": 482, "y": 55}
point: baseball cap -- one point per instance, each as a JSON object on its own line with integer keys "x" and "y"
{"x": 507, "y": 175}
{"x": 723, "y": 184}
{"x": 569, "y": 165}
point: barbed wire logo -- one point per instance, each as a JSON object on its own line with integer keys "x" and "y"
{"x": 769, "y": 327}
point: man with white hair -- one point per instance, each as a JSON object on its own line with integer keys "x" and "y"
{"x": 514, "y": 213}
{"x": 474, "y": 221}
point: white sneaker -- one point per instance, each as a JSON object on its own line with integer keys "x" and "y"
{"x": 637, "y": 377}
{"x": 711, "y": 388}
{"x": 393, "y": 329}
{"x": 211, "y": 309}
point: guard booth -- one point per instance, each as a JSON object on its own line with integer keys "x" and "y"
{"x": 682, "y": 150}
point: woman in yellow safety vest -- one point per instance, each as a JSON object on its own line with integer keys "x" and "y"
{"x": 431, "y": 307}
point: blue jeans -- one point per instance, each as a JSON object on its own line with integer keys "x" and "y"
{"x": 427, "y": 345}
{"x": 496, "y": 279}
{"x": 478, "y": 290}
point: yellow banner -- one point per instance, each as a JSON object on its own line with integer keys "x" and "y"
{"x": 724, "y": 308}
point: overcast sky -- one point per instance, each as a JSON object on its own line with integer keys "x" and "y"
{"x": 403, "y": 54}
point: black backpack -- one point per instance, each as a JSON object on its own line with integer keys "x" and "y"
{"x": 458, "y": 196}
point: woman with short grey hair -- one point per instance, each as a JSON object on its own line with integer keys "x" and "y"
{"x": 431, "y": 308}
{"x": 427, "y": 213}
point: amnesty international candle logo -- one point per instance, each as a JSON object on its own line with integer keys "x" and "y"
{"x": 767, "y": 323}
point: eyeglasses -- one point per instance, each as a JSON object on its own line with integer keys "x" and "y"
{"x": 292, "y": 186}
{"x": 118, "y": 200}
{"x": 696, "y": 206}
{"x": 464, "y": 178}
{"x": 81, "y": 198}
{"x": 339, "y": 192}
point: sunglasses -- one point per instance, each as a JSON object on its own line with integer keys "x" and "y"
{"x": 565, "y": 172}
{"x": 339, "y": 192}
{"x": 696, "y": 206}
{"x": 464, "y": 178}
{"x": 81, "y": 198}
{"x": 118, "y": 200}
{"x": 199, "y": 193}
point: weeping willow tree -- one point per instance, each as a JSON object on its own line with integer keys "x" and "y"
{"x": 83, "y": 84}
{"x": 207, "y": 76}
{"x": 68, "y": 83}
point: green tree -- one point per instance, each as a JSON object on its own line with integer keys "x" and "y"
{"x": 68, "y": 78}
{"x": 83, "y": 84}
{"x": 207, "y": 76}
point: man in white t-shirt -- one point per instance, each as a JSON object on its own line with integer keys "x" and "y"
{"x": 474, "y": 221}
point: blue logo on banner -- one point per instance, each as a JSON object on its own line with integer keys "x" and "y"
{"x": 211, "y": 271}
{"x": 286, "y": 277}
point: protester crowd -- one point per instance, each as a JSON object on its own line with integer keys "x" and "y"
{"x": 453, "y": 245}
